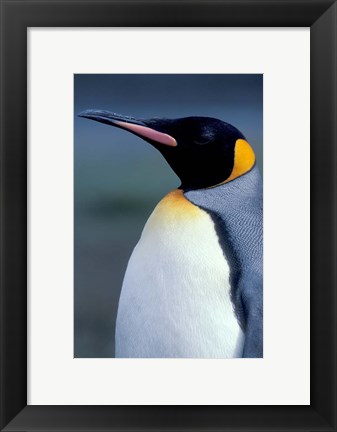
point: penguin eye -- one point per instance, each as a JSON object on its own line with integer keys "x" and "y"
{"x": 202, "y": 141}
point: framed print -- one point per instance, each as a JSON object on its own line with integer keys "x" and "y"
{"x": 207, "y": 79}
{"x": 222, "y": 95}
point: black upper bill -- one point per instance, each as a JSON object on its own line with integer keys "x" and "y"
{"x": 109, "y": 117}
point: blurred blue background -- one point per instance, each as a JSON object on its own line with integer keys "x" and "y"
{"x": 119, "y": 178}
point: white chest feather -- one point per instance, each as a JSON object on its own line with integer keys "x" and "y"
{"x": 175, "y": 299}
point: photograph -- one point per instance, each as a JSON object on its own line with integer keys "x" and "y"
{"x": 168, "y": 216}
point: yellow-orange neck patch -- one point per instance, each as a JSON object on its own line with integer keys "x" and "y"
{"x": 244, "y": 159}
{"x": 176, "y": 204}
{"x": 172, "y": 212}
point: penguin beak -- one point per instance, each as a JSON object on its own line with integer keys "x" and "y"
{"x": 136, "y": 126}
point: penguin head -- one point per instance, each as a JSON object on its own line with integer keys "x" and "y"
{"x": 203, "y": 151}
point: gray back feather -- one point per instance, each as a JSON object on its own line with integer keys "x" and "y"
{"x": 237, "y": 211}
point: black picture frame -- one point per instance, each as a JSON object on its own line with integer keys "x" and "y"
{"x": 16, "y": 17}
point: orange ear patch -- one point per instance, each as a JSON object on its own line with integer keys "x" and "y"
{"x": 244, "y": 159}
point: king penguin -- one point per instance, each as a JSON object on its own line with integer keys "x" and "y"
{"x": 193, "y": 287}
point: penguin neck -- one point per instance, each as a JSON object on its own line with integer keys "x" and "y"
{"x": 247, "y": 187}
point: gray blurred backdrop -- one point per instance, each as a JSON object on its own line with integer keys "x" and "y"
{"x": 119, "y": 178}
